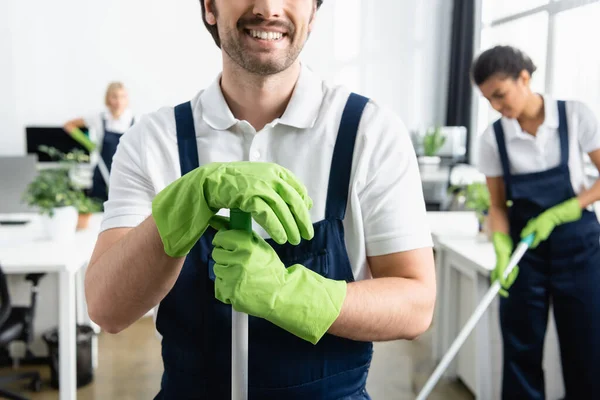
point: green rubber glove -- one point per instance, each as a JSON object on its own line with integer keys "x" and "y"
{"x": 270, "y": 193}
{"x": 544, "y": 224}
{"x": 251, "y": 277}
{"x": 82, "y": 139}
{"x": 503, "y": 247}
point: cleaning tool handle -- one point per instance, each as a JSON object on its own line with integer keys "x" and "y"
{"x": 82, "y": 139}
{"x": 472, "y": 322}
{"x": 240, "y": 220}
{"x": 239, "y": 325}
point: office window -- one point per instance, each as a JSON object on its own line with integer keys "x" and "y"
{"x": 561, "y": 36}
{"x": 530, "y": 35}
{"x": 576, "y": 61}
{"x": 496, "y": 9}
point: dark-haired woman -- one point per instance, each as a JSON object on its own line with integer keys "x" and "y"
{"x": 533, "y": 160}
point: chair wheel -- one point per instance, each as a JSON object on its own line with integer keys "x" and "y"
{"x": 36, "y": 384}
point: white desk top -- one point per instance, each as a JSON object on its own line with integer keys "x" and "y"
{"x": 24, "y": 249}
{"x": 457, "y": 232}
{"x": 452, "y": 224}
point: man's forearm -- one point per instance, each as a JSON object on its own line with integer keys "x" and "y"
{"x": 385, "y": 309}
{"x": 129, "y": 278}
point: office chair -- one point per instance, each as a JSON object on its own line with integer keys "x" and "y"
{"x": 16, "y": 324}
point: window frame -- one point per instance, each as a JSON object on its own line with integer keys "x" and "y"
{"x": 553, "y": 8}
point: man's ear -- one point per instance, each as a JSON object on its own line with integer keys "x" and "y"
{"x": 312, "y": 18}
{"x": 525, "y": 77}
{"x": 210, "y": 15}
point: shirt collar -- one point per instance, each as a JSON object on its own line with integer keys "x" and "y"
{"x": 215, "y": 110}
{"x": 551, "y": 112}
{"x": 302, "y": 110}
{"x": 127, "y": 115}
{"x": 550, "y": 121}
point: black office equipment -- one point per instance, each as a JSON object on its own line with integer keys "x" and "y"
{"x": 16, "y": 324}
{"x": 52, "y": 137}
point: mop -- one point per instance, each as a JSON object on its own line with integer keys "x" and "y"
{"x": 470, "y": 325}
{"x": 90, "y": 146}
{"x": 239, "y": 326}
{"x": 239, "y": 321}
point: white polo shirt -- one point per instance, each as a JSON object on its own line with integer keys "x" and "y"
{"x": 528, "y": 153}
{"x": 385, "y": 209}
{"x": 96, "y": 127}
{"x": 118, "y": 125}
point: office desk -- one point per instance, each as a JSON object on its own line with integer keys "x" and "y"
{"x": 24, "y": 249}
{"x": 445, "y": 224}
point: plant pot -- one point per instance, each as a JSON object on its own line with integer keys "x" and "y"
{"x": 430, "y": 160}
{"x": 429, "y": 163}
{"x": 83, "y": 221}
{"x": 62, "y": 225}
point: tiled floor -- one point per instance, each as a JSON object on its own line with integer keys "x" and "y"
{"x": 130, "y": 369}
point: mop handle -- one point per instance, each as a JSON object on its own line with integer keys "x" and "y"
{"x": 239, "y": 326}
{"x": 470, "y": 325}
{"x": 90, "y": 146}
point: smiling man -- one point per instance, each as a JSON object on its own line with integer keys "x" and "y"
{"x": 340, "y": 255}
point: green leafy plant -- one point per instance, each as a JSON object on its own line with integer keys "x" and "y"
{"x": 53, "y": 188}
{"x": 477, "y": 198}
{"x": 433, "y": 141}
{"x": 87, "y": 205}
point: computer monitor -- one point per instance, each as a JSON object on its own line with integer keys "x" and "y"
{"x": 16, "y": 172}
{"x": 52, "y": 137}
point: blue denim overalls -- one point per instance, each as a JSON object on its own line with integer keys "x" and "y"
{"x": 110, "y": 141}
{"x": 196, "y": 328}
{"x": 565, "y": 269}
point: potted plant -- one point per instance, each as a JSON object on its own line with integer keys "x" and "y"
{"x": 59, "y": 199}
{"x": 476, "y": 197}
{"x": 51, "y": 193}
{"x": 432, "y": 142}
{"x": 86, "y": 206}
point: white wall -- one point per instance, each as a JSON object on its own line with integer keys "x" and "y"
{"x": 62, "y": 54}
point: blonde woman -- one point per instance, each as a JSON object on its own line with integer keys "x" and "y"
{"x": 105, "y": 130}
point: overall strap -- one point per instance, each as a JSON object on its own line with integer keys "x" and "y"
{"x": 186, "y": 138}
{"x": 103, "y": 123}
{"x": 341, "y": 163}
{"x": 563, "y": 131}
{"x": 500, "y": 139}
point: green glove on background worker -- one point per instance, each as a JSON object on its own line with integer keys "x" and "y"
{"x": 251, "y": 277}
{"x": 503, "y": 247}
{"x": 82, "y": 139}
{"x": 541, "y": 226}
{"x": 270, "y": 193}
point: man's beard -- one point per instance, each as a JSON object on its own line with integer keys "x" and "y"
{"x": 232, "y": 42}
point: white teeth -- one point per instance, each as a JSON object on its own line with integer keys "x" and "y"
{"x": 266, "y": 35}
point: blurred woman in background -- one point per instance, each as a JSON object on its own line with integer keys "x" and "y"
{"x": 105, "y": 130}
{"x": 533, "y": 161}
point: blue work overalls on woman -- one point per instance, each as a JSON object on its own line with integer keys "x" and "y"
{"x": 110, "y": 141}
{"x": 566, "y": 269}
{"x": 196, "y": 328}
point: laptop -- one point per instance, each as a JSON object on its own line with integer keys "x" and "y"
{"x": 16, "y": 172}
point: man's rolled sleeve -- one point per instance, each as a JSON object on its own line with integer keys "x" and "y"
{"x": 130, "y": 190}
{"x": 392, "y": 201}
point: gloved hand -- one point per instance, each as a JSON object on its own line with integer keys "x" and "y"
{"x": 270, "y": 193}
{"x": 503, "y": 247}
{"x": 251, "y": 277}
{"x": 543, "y": 225}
